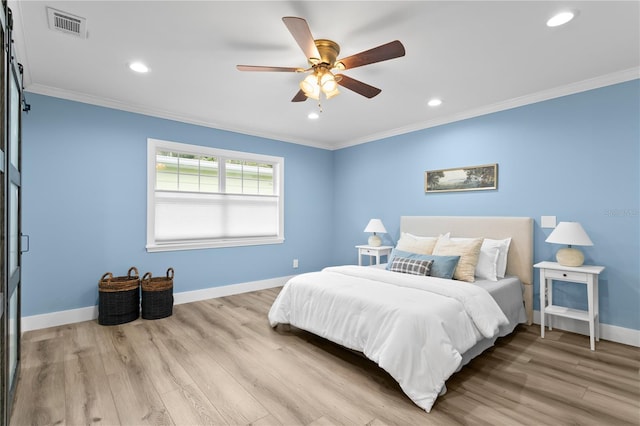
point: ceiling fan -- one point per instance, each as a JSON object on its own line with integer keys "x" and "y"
{"x": 322, "y": 56}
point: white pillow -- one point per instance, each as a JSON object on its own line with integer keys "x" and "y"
{"x": 492, "y": 261}
{"x": 503, "y": 248}
{"x": 487, "y": 266}
{"x": 416, "y": 244}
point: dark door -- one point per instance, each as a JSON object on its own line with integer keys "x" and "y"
{"x": 3, "y": 223}
{"x": 13, "y": 234}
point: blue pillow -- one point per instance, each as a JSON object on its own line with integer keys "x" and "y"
{"x": 442, "y": 267}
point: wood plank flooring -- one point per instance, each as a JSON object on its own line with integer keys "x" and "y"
{"x": 218, "y": 362}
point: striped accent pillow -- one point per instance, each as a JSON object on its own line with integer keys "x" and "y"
{"x": 468, "y": 250}
{"x": 411, "y": 266}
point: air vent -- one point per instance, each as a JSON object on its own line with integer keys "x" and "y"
{"x": 67, "y": 23}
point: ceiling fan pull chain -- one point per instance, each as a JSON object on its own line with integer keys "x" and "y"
{"x": 319, "y": 106}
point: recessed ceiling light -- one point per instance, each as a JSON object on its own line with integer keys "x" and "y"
{"x": 560, "y": 19}
{"x": 138, "y": 67}
{"x": 313, "y": 116}
{"x": 434, "y": 102}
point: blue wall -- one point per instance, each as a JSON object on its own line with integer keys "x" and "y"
{"x": 575, "y": 157}
{"x": 84, "y": 205}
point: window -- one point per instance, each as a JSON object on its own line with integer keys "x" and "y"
{"x": 201, "y": 197}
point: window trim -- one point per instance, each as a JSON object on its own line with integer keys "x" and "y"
{"x": 153, "y": 145}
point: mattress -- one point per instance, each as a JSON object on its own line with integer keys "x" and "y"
{"x": 507, "y": 292}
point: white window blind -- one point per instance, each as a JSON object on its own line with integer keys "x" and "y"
{"x": 200, "y": 197}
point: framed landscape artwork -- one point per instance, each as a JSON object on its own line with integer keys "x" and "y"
{"x": 472, "y": 178}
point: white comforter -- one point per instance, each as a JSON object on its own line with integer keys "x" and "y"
{"x": 414, "y": 327}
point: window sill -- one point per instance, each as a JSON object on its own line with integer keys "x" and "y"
{"x": 178, "y": 246}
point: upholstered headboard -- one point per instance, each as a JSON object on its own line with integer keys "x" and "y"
{"x": 520, "y": 229}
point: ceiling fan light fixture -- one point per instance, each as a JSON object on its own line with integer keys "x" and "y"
{"x": 332, "y": 93}
{"x": 328, "y": 83}
{"x": 314, "y": 95}
{"x": 310, "y": 86}
{"x": 320, "y": 81}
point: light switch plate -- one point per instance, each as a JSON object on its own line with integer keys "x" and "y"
{"x": 548, "y": 221}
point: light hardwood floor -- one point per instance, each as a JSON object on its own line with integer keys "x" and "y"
{"x": 219, "y": 362}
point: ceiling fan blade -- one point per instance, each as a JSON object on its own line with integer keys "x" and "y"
{"x": 357, "y": 86}
{"x": 300, "y": 31}
{"x": 261, "y": 68}
{"x": 391, "y": 50}
{"x": 299, "y": 97}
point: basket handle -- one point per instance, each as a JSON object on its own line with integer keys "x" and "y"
{"x": 105, "y": 276}
{"x": 147, "y": 277}
{"x": 133, "y": 268}
{"x": 170, "y": 273}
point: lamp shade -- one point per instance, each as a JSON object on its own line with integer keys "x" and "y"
{"x": 570, "y": 233}
{"x": 375, "y": 225}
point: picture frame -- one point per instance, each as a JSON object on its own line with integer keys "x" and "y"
{"x": 472, "y": 178}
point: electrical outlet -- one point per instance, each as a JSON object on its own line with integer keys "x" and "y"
{"x": 295, "y": 263}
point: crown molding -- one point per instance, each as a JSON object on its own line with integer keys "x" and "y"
{"x": 545, "y": 95}
{"x": 157, "y": 113}
{"x": 569, "y": 89}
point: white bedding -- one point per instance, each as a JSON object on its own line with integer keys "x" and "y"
{"x": 414, "y": 327}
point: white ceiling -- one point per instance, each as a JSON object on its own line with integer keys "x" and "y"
{"x": 477, "y": 56}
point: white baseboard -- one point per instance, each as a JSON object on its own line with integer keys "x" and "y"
{"x": 36, "y": 322}
{"x": 227, "y": 290}
{"x": 613, "y": 333}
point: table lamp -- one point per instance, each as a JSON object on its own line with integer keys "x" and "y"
{"x": 375, "y": 225}
{"x": 570, "y": 233}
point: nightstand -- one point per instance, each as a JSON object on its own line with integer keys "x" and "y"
{"x": 372, "y": 251}
{"x": 586, "y": 274}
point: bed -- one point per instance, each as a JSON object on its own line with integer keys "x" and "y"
{"x": 420, "y": 329}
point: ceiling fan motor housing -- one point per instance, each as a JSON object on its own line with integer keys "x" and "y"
{"x": 329, "y": 51}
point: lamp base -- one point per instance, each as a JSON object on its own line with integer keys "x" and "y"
{"x": 570, "y": 256}
{"x": 375, "y": 241}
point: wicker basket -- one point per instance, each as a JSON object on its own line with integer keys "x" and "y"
{"x": 157, "y": 296}
{"x": 119, "y": 298}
